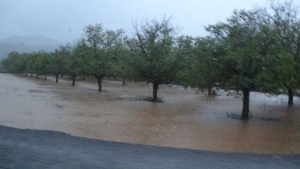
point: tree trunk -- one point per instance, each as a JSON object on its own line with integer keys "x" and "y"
{"x": 123, "y": 79}
{"x": 209, "y": 90}
{"x": 99, "y": 78}
{"x": 73, "y": 80}
{"x": 83, "y": 77}
{"x": 155, "y": 88}
{"x": 291, "y": 96}
{"x": 26, "y": 74}
{"x": 37, "y": 76}
{"x": 31, "y": 74}
{"x": 245, "y": 113}
{"x": 56, "y": 78}
{"x": 45, "y": 77}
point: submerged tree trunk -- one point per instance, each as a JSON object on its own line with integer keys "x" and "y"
{"x": 73, "y": 80}
{"x": 209, "y": 90}
{"x": 45, "y": 76}
{"x": 99, "y": 78}
{"x": 155, "y": 88}
{"x": 56, "y": 79}
{"x": 26, "y": 74}
{"x": 37, "y": 76}
{"x": 245, "y": 113}
{"x": 123, "y": 79}
{"x": 31, "y": 74}
{"x": 291, "y": 96}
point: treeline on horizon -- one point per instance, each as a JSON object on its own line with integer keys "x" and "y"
{"x": 254, "y": 50}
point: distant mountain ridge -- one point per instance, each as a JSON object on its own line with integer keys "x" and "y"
{"x": 26, "y": 44}
{"x": 33, "y": 40}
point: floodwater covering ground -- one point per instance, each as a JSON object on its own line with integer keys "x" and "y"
{"x": 185, "y": 119}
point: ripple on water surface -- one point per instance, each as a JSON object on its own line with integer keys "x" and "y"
{"x": 184, "y": 119}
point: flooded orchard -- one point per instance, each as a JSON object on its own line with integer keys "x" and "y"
{"x": 185, "y": 119}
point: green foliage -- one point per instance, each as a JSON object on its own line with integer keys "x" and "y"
{"x": 15, "y": 63}
{"x": 248, "y": 48}
{"x": 73, "y": 61}
{"x": 10, "y": 62}
{"x": 30, "y": 66}
{"x": 102, "y": 50}
{"x": 185, "y": 53}
{"x": 279, "y": 73}
{"x": 43, "y": 63}
{"x": 123, "y": 62}
{"x": 286, "y": 23}
{"x": 58, "y": 57}
{"x": 206, "y": 72}
{"x": 155, "y": 58}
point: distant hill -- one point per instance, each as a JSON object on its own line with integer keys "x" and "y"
{"x": 33, "y": 40}
{"x": 26, "y": 44}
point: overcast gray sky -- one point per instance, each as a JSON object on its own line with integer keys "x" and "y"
{"x": 64, "y": 20}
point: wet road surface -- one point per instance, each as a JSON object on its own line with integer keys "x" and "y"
{"x": 185, "y": 119}
{"x": 32, "y": 149}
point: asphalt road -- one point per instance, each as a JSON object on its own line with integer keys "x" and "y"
{"x": 33, "y": 149}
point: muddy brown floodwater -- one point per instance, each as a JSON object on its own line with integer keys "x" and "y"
{"x": 186, "y": 118}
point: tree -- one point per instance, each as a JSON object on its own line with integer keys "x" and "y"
{"x": 103, "y": 48}
{"x": 45, "y": 61}
{"x": 185, "y": 52}
{"x": 283, "y": 19}
{"x": 22, "y": 63}
{"x": 34, "y": 63}
{"x": 30, "y": 66}
{"x": 16, "y": 62}
{"x": 123, "y": 67}
{"x": 246, "y": 53}
{"x": 42, "y": 63}
{"x": 11, "y": 62}
{"x": 122, "y": 64}
{"x": 206, "y": 72}
{"x": 57, "y": 66}
{"x": 73, "y": 61}
{"x": 155, "y": 59}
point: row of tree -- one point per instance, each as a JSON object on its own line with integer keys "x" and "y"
{"x": 100, "y": 54}
{"x": 255, "y": 50}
